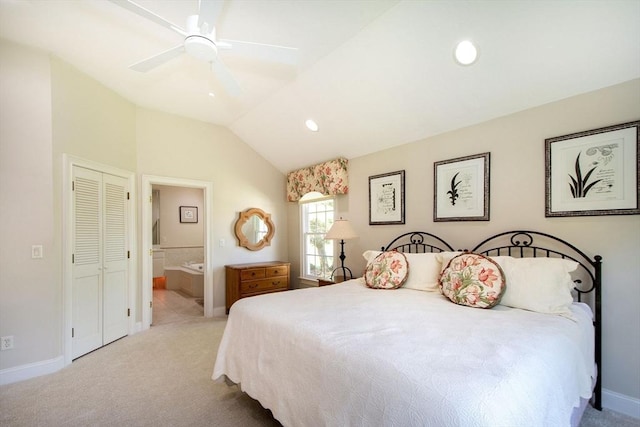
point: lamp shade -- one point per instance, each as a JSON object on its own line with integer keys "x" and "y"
{"x": 341, "y": 230}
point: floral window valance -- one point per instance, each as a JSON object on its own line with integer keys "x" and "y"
{"x": 329, "y": 178}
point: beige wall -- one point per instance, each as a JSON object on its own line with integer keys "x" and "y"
{"x": 517, "y": 201}
{"x": 47, "y": 109}
{"x": 30, "y": 289}
{"x": 91, "y": 121}
{"x": 173, "y": 233}
{"x": 176, "y": 147}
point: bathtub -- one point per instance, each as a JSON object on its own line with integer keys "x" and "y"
{"x": 188, "y": 278}
{"x": 198, "y": 267}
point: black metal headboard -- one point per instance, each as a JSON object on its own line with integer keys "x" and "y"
{"x": 523, "y": 243}
{"x": 418, "y": 242}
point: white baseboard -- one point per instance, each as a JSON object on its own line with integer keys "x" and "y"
{"x": 31, "y": 370}
{"x": 621, "y": 403}
{"x": 219, "y": 311}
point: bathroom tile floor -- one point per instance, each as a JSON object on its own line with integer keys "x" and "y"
{"x": 173, "y": 306}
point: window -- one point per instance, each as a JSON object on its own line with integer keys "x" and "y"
{"x": 316, "y": 218}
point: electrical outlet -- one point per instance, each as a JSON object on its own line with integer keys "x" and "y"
{"x": 36, "y": 251}
{"x": 6, "y": 343}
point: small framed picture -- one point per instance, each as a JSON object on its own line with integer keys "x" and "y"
{"x": 386, "y": 198}
{"x": 188, "y": 214}
{"x": 593, "y": 172}
{"x": 461, "y": 189}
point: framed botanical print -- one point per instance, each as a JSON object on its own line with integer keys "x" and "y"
{"x": 386, "y": 198}
{"x": 461, "y": 189}
{"x": 593, "y": 172}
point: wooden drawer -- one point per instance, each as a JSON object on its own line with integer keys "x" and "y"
{"x": 265, "y": 285}
{"x": 282, "y": 270}
{"x": 252, "y": 274}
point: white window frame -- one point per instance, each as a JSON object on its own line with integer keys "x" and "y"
{"x": 329, "y": 244}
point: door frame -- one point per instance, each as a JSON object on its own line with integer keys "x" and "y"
{"x": 68, "y": 163}
{"x": 147, "y": 181}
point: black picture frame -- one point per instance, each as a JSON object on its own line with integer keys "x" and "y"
{"x": 188, "y": 214}
{"x": 461, "y": 188}
{"x": 386, "y": 198}
{"x": 595, "y": 172}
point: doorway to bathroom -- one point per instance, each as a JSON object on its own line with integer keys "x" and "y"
{"x": 183, "y": 249}
{"x": 178, "y": 253}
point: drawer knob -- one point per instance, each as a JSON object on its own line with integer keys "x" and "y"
{"x": 275, "y": 283}
{"x": 253, "y": 285}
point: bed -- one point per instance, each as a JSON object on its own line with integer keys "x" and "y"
{"x": 347, "y": 354}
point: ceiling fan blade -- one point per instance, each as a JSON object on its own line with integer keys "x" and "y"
{"x": 225, "y": 77}
{"x": 264, "y": 52}
{"x": 209, "y": 12}
{"x": 146, "y": 13}
{"x": 157, "y": 60}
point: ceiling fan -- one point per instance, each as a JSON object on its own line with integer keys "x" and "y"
{"x": 200, "y": 42}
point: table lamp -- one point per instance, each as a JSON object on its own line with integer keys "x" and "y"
{"x": 341, "y": 230}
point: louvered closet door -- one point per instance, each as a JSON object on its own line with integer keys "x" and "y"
{"x": 100, "y": 289}
{"x": 115, "y": 263}
{"x": 87, "y": 262}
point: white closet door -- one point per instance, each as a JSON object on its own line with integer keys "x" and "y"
{"x": 87, "y": 263}
{"x": 115, "y": 260}
{"x": 100, "y": 265}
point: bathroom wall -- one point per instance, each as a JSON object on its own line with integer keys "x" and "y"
{"x": 181, "y": 242}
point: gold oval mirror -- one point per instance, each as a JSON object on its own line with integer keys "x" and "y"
{"x": 254, "y": 229}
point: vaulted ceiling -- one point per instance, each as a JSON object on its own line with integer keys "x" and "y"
{"x": 373, "y": 73}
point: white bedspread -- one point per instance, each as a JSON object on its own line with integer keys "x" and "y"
{"x": 347, "y": 355}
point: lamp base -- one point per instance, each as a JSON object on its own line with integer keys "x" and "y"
{"x": 344, "y": 270}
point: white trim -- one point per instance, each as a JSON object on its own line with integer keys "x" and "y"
{"x": 220, "y": 312}
{"x": 621, "y": 403}
{"x": 147, "y": 261}
{"x": 68, "y": 162}
{"x": 305, "y": 280}
{"x": 31, "y": 370}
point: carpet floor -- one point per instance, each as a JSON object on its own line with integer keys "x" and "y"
{"x": 159, "y": 377}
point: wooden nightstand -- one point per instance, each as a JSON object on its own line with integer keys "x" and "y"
{"x": 325, "y": 282}
{"x": 336, "y": 279}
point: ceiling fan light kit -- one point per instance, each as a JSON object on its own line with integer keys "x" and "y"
{"x": 311, "y": 125}
{"x": 201, "y": 48}
{"x": 466, "y": 52}
{"x": 201, "y": 43}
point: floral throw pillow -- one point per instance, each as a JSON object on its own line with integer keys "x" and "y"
{"x": 389, "y": 270}
{"x": 473, "y": 280}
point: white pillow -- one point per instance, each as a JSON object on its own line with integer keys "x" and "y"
{"x": 538, "y": 284}
{"x": 445, "y": 257}
{"x": 370, "y": 255}
{"x": 424, "y": 271}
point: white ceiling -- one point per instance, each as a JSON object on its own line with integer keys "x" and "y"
{"x": 373, "y": 73}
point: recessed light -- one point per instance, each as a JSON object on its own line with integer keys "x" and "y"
{"x": 211, "y": 94}
{"x": 466, "y": 53}
{"x": 311, "y": 125}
